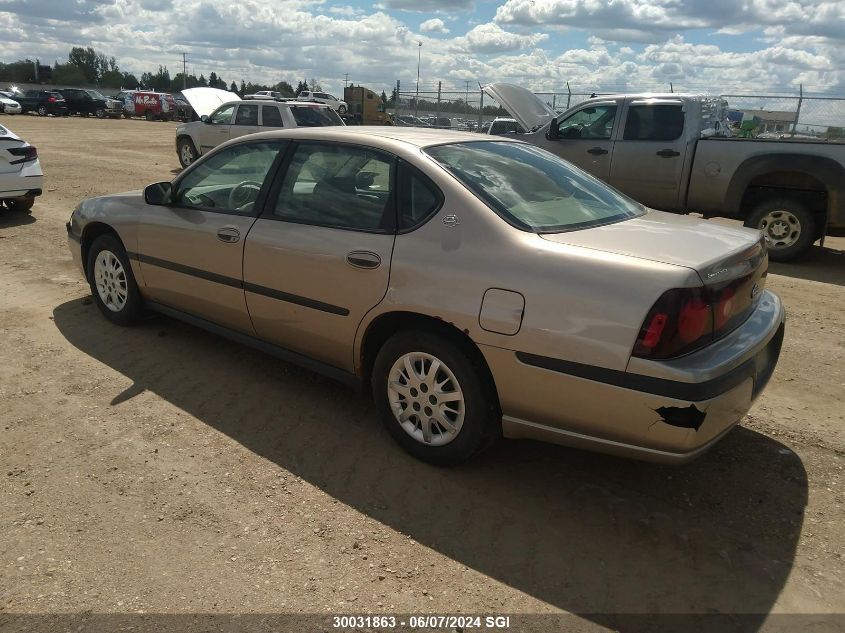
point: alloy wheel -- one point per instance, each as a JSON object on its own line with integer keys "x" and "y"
{"x": 110, "y": 279}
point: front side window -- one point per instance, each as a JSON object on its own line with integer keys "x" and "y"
{"x": 662, "y": 122}
{"x": 533, "y": 189}
{"x": 338, "y": 186}
{"x": 594, "y": 122}
{"x": 271, "y": 117}
{"x": 247, "y": 115}
{"x": 230, "y": 180}
{"x": 223, "y": 115}
{"x": 314, "y": 116}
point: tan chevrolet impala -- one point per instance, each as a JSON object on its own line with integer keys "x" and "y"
{"x": 479, "y": 286}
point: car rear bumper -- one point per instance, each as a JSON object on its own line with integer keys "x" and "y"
{"x": 650, "y": 417}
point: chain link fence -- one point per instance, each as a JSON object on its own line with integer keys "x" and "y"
{"x": 466, "y": 107}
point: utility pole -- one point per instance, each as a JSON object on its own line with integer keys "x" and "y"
{"x": 345, "y": 80}
{"x": 417, "y": 98}
{"x": 671, "y": 88}
{"x": 184, "y": 70}
{"x": 466, "y": 99}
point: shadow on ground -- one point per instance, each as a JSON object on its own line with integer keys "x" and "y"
{"x": 9, "y": 219}
{"x": 823, "y": 264}
{"x": 586, "y": 533}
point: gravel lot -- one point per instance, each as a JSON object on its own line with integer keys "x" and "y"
{"x": 160, "y": 469}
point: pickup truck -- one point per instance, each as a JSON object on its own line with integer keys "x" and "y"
{"x": 674, "y": 152}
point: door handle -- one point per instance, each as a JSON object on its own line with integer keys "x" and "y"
{"x": 228, "y": 234}
{"x": 596, "y": 151}
{"x": 363, "y": 259}
{"x": 668, "y": 153}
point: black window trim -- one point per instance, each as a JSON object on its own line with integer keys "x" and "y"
{"x": 404, "y": 171}
{"x": 667, "y": 103}
{"x": 272, "y": 198}
{"x": 258, "y": 207}
{"x": 281, "y": 116}
{"x": 237, "y": 111}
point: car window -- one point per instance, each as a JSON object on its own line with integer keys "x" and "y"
{"x": 304, "y": 94}
{"x": 338, "y": 186}
{"x": 314, "y": 116}
{"x": 533, "y": 189}
{"x": 230, "y": 180}
{"x": 223, "y": 115}
{"x": 419, "y": 198}
{"x": 247, "y": 115}
{"x": 662, "y": 122}
{"x": 271, "y": 117}
{"x": 594, "y": 122}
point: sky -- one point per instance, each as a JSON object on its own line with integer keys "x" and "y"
{"x": 595, "y": 45}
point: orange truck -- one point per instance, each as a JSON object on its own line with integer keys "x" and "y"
{"x": 365, "y": 106}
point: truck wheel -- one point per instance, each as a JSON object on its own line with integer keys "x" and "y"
{"x": 187, "y": 152}
{"x": 788, "y": 226}
{"x": 100, "y": 113}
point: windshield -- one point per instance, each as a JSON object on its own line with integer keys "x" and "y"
{"x": 533, "y": 189}
{"x": 96, "y": 95}
{"x": 314, "y": 116}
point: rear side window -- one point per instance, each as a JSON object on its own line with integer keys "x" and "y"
{"x": 271, "y": 117}
{"x": 419, "y": 198}
{"x": 654, "y": 123}
{"x": 247, "y": 115}
{"x": 314, "y": 116}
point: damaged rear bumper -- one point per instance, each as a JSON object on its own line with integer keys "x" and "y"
{"x": 664, "y": 411}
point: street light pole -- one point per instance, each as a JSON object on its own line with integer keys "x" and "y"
{"x": 417, "y": 98}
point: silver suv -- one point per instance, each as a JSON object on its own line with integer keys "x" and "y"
{"x": 238, "y": 118}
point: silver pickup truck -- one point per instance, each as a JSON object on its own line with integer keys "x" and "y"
{"x": 674, "y": 152}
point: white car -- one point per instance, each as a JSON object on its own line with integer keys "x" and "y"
{"x": 21, "y": 178}
{"x": 504, "y": 125}
{"x": 323, "y": 97}
{"x": 265, "y": 94}
{"x": 237, "y": 118}
{"x": 7, "y": 103}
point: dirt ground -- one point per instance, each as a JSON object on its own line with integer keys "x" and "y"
{"x": 160, "y": 469}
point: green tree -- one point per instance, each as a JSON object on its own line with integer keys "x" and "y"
{"x": 87, "y": 60}
{"x": 233, "y": 87}
{"x": 285, "y": 89}
{"x": 21, "y": 71}
{"x": 68, "y": 75}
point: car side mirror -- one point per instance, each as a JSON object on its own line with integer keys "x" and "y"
{"x": 204, "y": 118}
{"x": 159, "y": 194}
{"x": 551, "y": 133}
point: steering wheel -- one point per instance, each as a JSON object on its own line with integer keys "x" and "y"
{"x": 243, "y": 194}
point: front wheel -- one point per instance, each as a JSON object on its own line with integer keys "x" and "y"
{"x": 112, "y": 282}
{"x": 187, "y": 152}
{"x": 100, "y": 113}
{"x": 433, "y": 400}
{"x": 788, "y": 226}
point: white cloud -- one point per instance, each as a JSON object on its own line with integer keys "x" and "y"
{"x": 434, "y": 25}
{"x": 491, "y": 38}
{"x": 445, "y": 6}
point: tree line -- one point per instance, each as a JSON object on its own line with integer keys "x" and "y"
{"x": 87, "y": 67}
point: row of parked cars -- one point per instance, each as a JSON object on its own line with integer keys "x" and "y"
{"x": 89, "y": 102}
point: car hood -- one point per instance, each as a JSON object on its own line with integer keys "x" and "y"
{"x": 665, "y": 237}
{"x": 204, "y": 101}
{"x": 528, "y": 109}
{"x": 8, "y": 101}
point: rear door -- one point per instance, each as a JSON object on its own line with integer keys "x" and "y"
{"x": 649, "y": 158}
{"x": 318, "y": 259}
{"x": 246, "y": 120}
{"x": 585, "y": 137}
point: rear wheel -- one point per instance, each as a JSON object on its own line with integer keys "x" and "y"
{"x": 788, "y": 226}
{"x": 433, "y": 399}
{"x": 42, "y": 110}
{"x": 187, "y": 152}
{"x": 149, "y": 116}
{"x": 112, "y": 283}
{"x": 21, "y": 205}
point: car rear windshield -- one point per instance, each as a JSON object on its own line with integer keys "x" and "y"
{"x": 533, "y": 189}
{"x": 314, "y": 116}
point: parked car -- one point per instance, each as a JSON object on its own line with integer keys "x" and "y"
{"x": 333, "y": 102}
{"x": 674, "y": 152}
{"x": 238, "y": 118}
{"x": 8, "y": 105}
{"x": 44, "y": 102}
{"x": 408, "y": 120}
{"x": 504, "y": 125}
{"x": 21, "y": 178}
{"x": 264, "y": 95}
{"x": 364, "y": 253}
{"x": 184, "y": 111}
{"x": 90, "y": 102}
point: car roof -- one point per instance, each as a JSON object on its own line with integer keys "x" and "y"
{"x": 296, "y": 104}
{"x": 384, "y": 136}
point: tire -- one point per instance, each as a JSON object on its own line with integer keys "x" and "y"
{"x": 100, "y": 113}
{"x": 148, "y": 115}
{"x": 122, "y": 308}
{"x": 187, "y": 152}
{"x": 474, "y": 416}
{"x": 127, "y": 115}
{"x": 20, "y": 206}
{"x": 42, "y": 110}
{"x": 788, "y": 226}
{"x": 341, "y": 110}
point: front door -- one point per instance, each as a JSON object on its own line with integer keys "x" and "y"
{"x": 216, "y": 128}
{"x": 318, "y": 259}
{"x": 648, "y": 162}
{"x": 246, "y": 121}
{"x": 191, "y": 252}
{"x": 584, "y": 138}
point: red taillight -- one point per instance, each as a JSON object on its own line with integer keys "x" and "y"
{"x": 680, "y": 321}
{"x": 51, "y": 100}
{"x": 724, "y": 307}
